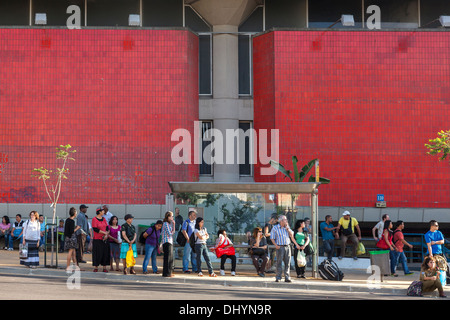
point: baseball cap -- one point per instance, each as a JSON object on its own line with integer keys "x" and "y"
{"x": 128, "y": 216}
{"x": 83, "y": 206}
{"x": 346, "y": 213}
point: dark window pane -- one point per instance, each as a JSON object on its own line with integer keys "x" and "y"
{"x": 285, "y": 13}
{"x": 430, "y": 10}
{"x": 205, "y": 64}
{"x": 396, "y": 14}
{"x": 162, "y": 13}
{"x": 254, "y": 23}
{"x": 104, "y": 13}
{"x": 244, "y": 64}
{"x": 205, "y": 168}
{"x": 245, "y": 168}
{"x": 14, "y": 13}
{"x": 323, "y": 13}
{"x": 194, "y": 22}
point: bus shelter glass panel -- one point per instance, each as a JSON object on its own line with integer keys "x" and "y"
{"x": 240, "y": 213}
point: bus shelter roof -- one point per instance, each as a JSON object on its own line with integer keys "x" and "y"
{"x": 244, "y": 187}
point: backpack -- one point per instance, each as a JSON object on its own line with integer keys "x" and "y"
{"x": 348, "y": 231}
{"x": 192, "y": 240}
{"x": 141, "y": 236}
{"x": 181, "y": 239}
{"x": 415, "y": 289}
{"x": 328, "y": 270}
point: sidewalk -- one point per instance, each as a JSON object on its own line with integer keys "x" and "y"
{"x": 354, "y": 280}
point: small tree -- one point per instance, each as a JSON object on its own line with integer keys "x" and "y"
{"x": 242, "y": 217}
{"x": 299, "y": 175}
{"x": 53, "y": 190}
{"x": 440, "y": 145}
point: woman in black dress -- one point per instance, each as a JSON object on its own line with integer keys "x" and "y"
{"x": 70, "y": 237}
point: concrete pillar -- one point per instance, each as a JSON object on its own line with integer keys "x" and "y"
{"x": 225, "y": 17}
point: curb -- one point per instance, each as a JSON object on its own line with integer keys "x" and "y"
{"x": 224, "y": 281}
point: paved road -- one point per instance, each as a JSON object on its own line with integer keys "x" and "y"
{"x": 36, "y": 287}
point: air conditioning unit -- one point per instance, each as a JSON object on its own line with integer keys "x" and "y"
{"x": 381, "y": 204}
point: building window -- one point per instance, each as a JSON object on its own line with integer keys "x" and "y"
{"x": 205, "y": 64}
{"x": 245, "y": 169}
{"x": 14, "y": 13}
{"x": 205, "y": 137}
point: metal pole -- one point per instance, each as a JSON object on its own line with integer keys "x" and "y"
{"x": 315, "y": 233}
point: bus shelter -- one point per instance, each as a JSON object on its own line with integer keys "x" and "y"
{"x": 239, "y": 206}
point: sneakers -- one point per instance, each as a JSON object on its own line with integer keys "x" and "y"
{"x": 222, "y": 272}
{"x": 233, "y": 273}
{"x": 409, "y": 273}
{"x": 213, "y": 275}
{"x": 200, "y": 274}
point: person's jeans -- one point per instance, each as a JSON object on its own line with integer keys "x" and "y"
{"x": 284, "y": 255}
{"x": 395, "y": 257}
{"x": 188, "y": 252}
{"x": 12, "y": 239}
{"x": 150, "y": 252}
{"x": 202, "y": 250}
{"x": 328, "y": 248}
{"x": 6, "y": 236}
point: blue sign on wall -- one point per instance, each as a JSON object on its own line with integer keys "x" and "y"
{"x": 380, "y": 197}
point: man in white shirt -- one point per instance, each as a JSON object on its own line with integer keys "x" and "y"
{"x": 108, "y": 215}
{"x": 379, "y": 227}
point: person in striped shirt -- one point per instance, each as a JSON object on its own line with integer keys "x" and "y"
{"x": 167, "y": 232}
{"x": 281, "y": 236}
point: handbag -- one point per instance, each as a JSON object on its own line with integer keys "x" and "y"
{"x": 301, "y": 258}
{"x": 23, "y": 251}
{"x": 220, "y": 251}
{"x": 258, "y": 251}
{"x": 309, "y": 250}
{"x": 119, "y": 237}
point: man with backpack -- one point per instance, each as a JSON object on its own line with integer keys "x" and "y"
{"x": 347, "y": 226}
{"x": 187, "y": 229}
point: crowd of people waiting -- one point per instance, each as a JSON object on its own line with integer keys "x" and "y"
{"x": 109, "y": 243}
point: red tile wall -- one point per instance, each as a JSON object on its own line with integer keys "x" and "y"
{"x": 114, "y": 95}
{"x": 364, "y": 103}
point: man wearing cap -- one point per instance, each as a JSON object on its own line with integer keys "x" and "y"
{"x": 81, "y": 233}
{"x": 347, "y": 225}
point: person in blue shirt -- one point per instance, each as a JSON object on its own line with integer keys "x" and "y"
{"x": 434, "y": 239}
{"x": 187, "y": 228}
{"x": 327, "y": 230}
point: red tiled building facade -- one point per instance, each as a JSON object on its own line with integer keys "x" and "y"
{"x": 116, "y": 96}
{"x": 364, "y": 103}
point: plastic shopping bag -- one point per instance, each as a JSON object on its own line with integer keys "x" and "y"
{"x": 301, "y": 258}
{"x": 23, "y": 251}
{"x": 131, "y": 261}
{"x": 361, "y": 249}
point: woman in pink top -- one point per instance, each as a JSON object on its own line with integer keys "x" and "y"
{"x": 5, "y": 229}
{"x": 114, "y": 242}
